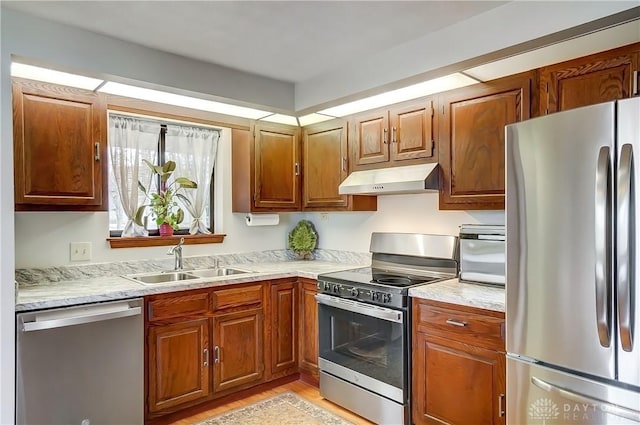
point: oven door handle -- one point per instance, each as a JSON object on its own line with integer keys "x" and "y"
{"x": 361, "y": 308}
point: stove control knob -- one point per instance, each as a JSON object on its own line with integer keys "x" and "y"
{"x": 387, "y": 298}
{"x": 327, "y": 286}
{"x": 354, "y": 292}
{"x": 337, "y": 289}
{"x": 375, "y": 296}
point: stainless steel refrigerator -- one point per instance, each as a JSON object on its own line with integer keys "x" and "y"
{"x": 573, "y": 301}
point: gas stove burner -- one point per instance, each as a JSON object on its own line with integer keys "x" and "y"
{"x": 395, "y": 281}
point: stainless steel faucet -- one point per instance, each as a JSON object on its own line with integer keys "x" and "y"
{"x": 176, "y": 251}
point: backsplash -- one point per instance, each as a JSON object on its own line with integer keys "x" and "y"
{"x": 35, "y": 276}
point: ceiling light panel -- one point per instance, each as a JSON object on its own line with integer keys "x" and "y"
{"x": 56, "y": 77}
{"x": 414, "y": 91}
{"x": 313, "y": 119}
{"x": 180, "y": 100}
{"x": 281, "y": 119}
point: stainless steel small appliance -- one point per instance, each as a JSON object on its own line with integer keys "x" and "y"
{"x": 364, "y": 323}
{"x": 482, "y": 254}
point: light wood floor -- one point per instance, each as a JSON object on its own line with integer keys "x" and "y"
{"x": 304, "y": 390}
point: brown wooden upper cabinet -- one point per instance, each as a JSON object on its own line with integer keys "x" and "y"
{"x": 325, "y": 165}
{"x": 472, "y": 141}
{"x": 266, "y": 169}
{"x": 60, "y": 147}
{"x": 403, "y": 135}
{"x": 597, "y": 78}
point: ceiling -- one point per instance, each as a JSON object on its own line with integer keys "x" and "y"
{"x": 292, "y": 41}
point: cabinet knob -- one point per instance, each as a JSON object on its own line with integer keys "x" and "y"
{"x": 393, "y": 135}
{"x": 344, "y": 163}
{"x": 216, "y": 354}
{"x": 297, "y": 169}
{"x": 384, "y": 136}
{"x": 205, "y": 355}
{"x": 97, "y": 151}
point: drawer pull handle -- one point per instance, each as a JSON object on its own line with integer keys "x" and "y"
{"x": 455, "y": 322}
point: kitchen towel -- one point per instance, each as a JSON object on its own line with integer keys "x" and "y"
{"x": 262, "y": 219}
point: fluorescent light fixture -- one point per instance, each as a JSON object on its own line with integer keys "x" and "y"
{"x": 281, "y": 119}
{"x": 180, "y": 100}
{"x": 50, "y": 76}
{"x": 313, "y": 119}
{"x": 437, "y": 85}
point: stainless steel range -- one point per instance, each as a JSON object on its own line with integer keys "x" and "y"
{"x": 364, "y": 323}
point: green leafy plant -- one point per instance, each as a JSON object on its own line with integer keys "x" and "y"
{"x": 163, "y": 205}
{"x": 303, "y": 239}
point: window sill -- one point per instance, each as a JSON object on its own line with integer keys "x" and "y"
{"x": 164, "y": 240}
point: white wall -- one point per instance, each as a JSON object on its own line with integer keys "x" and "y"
{"x": 504, "y": 27}
{"x": 89, "y": 53}
{"x": 396, "y": 213}
{"x": 42, "y": 238}
{"x": 7, "y": 288}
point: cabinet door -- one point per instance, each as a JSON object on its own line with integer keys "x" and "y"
{"x": 59, "y": 147}
{"x": 589, "y": 80}
{"x": 178, "y": 363}
{"x": 324, "y": 155}
{"x": 412, "y": 131}
{"x": 238, "y": 349}
{"x": 308, "y": 328}
{"x": 284, "y": 329}
{"x": 456, "y": 383}
{"x": 472, "y": 140}
{"x": 370, "y": 140}
{"x": 277, "y": 168}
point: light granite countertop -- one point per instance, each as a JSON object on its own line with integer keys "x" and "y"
{"x": 108, "y": 288}
{"x": 469, "y": 294}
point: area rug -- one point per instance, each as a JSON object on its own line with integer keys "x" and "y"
{"x": 282, "y": 409}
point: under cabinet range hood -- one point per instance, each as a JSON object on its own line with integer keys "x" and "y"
{"x": 384, "y": 181}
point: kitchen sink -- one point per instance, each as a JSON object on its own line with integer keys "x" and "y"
{"x": 163, "y": 277}
{"x": 177, "y": 276}
{"x": 221, "y": 271}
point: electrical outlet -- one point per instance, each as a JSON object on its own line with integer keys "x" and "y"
{"x": 324, "y": 216}
{"x": 80, "y": 251}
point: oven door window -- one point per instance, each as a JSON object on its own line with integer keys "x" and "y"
{"x": 366, "y": 344}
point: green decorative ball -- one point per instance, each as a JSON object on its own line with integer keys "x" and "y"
{"x": 303, "y": 239}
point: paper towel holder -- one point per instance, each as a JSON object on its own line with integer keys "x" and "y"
{"x": 264, "y": 219}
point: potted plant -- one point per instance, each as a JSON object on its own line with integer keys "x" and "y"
{"x": 164, "y": 209}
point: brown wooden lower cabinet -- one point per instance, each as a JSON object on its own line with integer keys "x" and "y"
{"x": 458, "y": 370}
{"x": 284, "y": 328}
{"x": 204, "y": 344}
{"x": 178, "y": 370}
{"x": 238, "y": 351}
{"x": 308, "y": 327}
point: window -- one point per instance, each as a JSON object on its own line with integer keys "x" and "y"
{"x": 192, "y": 147}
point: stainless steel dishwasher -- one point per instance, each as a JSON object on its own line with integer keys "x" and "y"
{"x": 81, "y": 365}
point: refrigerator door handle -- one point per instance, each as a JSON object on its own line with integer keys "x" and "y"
{"x": 625, "y": 227}
{"x": 602, "y": 246}
{"x": 603, "y": 406}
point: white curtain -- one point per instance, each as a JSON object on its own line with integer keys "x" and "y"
{"x": 194, "y": 151}
{"x": 131, "y": 140}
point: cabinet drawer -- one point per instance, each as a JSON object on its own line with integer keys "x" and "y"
{"x": 184, "y": 305}
{"x": 476, "y": 329}
{"x": 237, "y": 296}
